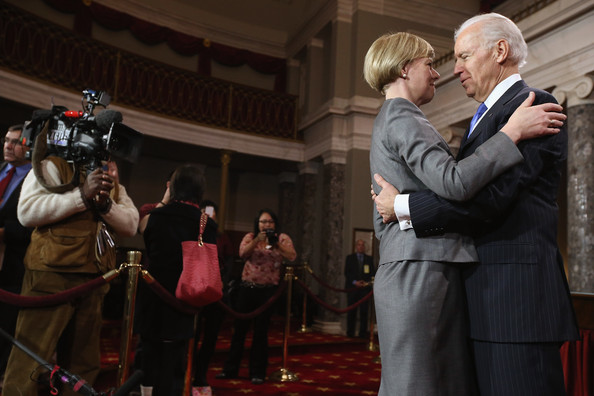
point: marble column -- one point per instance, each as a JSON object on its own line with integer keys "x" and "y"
{"x": 305, "y": 240}
{"x": 222, "y": 213}
{"x": 332, "y": 260}
{"x": 578, "y": 98}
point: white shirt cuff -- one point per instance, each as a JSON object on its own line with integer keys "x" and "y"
{"x": 402, "y": 211}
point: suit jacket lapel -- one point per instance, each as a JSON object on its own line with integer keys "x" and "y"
{"x": 485, "y": 125}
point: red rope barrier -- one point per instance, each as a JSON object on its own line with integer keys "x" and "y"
{"x": 253, "y": 314}
{"x": 169, "y": 298}
{"x": 175, "y": 303}
{"x": 320, "y": 281}
{"x": 330, "y": 307}
{"x": 51, "y": 299}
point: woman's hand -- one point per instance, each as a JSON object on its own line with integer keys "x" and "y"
{"x": 261, "y": 237}
{"x": 529, "y": 121}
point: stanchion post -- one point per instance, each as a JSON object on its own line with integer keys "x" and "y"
{"x": 372, "y": 345}
{"x": 284, "y": 374}
{"x": 304, "y": 328}
{"x": 133, "y": 261}
{"x": 189, "y": 360}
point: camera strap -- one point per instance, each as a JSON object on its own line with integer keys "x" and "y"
{"x": 39, "y": 153}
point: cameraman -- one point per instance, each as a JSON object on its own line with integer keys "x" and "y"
{"x": 69, "y": 247}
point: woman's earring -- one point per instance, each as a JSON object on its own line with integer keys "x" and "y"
{"x": 403, "y": 75}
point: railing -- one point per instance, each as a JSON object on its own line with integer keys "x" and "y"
{"x": 38, "y": 49}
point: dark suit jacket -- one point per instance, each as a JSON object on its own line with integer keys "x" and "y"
{"x": 353, "y": 271}
{"x": 16, "y": 239}
{"x": 519, "y": 292}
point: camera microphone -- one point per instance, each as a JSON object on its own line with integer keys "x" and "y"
{"x": 41, "y": 115}
{"x": 107, "y": 118}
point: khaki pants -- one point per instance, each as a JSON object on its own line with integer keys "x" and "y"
{"x": 71, "y": 329}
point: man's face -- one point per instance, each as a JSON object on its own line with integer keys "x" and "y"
{"x": 476, "y": 66}
{"x": 360, "y": 246}
{"x": 14, "y": 151}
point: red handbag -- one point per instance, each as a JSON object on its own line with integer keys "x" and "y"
{"x": 200, "y": 281}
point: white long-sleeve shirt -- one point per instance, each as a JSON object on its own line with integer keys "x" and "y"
{"x": 38, "y": 206}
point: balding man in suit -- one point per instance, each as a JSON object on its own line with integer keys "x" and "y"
{"x": 358, "y": 271}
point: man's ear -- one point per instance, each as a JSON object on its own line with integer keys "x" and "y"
{"x": 501, "y": 51}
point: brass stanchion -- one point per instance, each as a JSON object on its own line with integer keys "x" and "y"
{"x": 189, "y": 360}
{"x": 304, "y": 328}
{"x": 133, "y": 265}
{"x": 372, "y": 345}
{"x": 284, "y": 374}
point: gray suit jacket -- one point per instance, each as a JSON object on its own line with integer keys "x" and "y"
{"x": 411, "y": 155}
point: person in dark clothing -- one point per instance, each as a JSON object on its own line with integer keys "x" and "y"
{"x": 14, "y": 238}
{"x": 358, "y": 271}
{"x": 165, "y": 331}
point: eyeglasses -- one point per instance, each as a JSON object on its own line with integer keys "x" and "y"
{"x": 14, "y": 142}
{"x": 267, "y": 221}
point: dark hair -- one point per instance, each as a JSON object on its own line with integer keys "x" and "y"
{"x": 170, "y": 175}
{"x": 17, "y": 127}
{"x": 257, "y": 221}
{"x": 187, "y": 184}
{"x": 208, "y": 202}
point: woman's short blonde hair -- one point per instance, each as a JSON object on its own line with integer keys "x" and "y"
{"x": 388, "y": 55}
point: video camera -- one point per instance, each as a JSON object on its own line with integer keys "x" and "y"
{"x": 81, "y": 137}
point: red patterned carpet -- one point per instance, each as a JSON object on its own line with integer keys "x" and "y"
{"x": 324, "y": 364}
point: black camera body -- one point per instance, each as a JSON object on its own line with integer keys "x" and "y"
{"x": 81, "y": 137}
{"x": 271, "y": 236}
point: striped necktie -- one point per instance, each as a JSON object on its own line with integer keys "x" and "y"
{"x": 4, "y": 182}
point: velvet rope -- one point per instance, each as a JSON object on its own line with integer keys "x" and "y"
{"x": 179, "y": 305}
{"x": 51, "y": 299}
{"x": 169, "y": 298}
{"x": 250, "y": 315}
{"x": 327, "y": 286}
{"x": 330, "y": 307}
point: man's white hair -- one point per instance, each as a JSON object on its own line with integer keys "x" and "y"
{"x": 495, "y": 27}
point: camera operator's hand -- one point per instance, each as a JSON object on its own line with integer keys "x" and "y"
{"x": 96, "y": 189}
{"x": 93, "y": 185}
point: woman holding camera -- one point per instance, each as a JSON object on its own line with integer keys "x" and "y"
{"x": 263, "y": 251}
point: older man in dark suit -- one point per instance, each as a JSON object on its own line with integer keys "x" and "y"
{"x": 519, "y": 304}
{"x": 358, "y": 271}
{"x": 14, "y": 238}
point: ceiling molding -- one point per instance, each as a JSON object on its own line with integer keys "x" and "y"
{"x": 269, "y": 42}
{"x": 431, "y": 14}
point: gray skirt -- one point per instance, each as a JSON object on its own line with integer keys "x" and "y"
{"x": 422, "y": 330}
